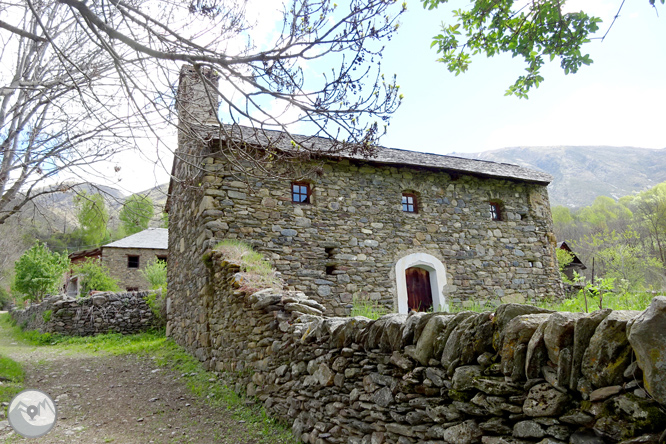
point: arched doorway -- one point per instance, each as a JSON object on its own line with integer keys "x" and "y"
{"x": 419, "y": 291}
{"x": 425, "y": 272}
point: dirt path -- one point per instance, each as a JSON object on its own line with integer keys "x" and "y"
{"x": 118, "y": 399}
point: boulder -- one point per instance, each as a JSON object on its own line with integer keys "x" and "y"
{"x": 518, "y": 331}
{"x": 477, "y": 338}
{"x": 391, "y": 322}
{"x": 608, "y": 353}
{"x": 559, "y": 333}
{"x": 443, "y": 337}
{"x": 504, "y": 314}
{"x": 647, "y": 337}
{"x": 424, "y": 350}
{"x": 544, "y": 400}
{"x": 467, "y": 432}
{"x": 536, "y": 355}
{"x": 454, "y": 343}
{"x": 391, "y": 338}
{"x": 412, "y": 322}
{"x": 585, "y": 328}
{"x": 344, "y": 334}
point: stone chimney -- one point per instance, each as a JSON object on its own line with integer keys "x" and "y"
{"x": 196, "y": 101}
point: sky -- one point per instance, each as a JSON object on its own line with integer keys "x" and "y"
{"x": 617, "y": 101}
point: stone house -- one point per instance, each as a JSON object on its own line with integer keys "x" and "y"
{"x": 409, "y": 230}
{"x": 126, "y": 258}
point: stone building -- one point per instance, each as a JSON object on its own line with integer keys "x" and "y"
{"x": 407, "y": 229}
{"x": 126, "y": 258}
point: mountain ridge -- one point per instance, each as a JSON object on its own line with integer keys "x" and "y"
{"x": 581, "y": 173}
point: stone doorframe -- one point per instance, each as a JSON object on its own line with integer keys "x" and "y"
{"x": 437, "y": 279}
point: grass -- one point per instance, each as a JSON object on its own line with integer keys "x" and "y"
{"x": 256, "y": 272}
{"x": 615, "y": 301}
{"x": 367, "y": 308}
{"x": 11, "y": 378}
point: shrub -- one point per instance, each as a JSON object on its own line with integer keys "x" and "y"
{"x": 5, "y": 299}
{"x": 156, "y": 274}
{"x": 46, "y": 316}
{"x": 39, "y": 272}
{"x": 155, "y": 301}
{"x": 94, "y": 276}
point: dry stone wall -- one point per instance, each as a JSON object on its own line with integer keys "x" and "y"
{"x": 125, "y": 313}
{"x": 519, "y": 375}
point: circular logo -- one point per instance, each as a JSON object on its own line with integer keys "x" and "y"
{"x": 32, "y": 413}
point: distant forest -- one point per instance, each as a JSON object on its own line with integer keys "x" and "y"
{"x": 625, "y": 240}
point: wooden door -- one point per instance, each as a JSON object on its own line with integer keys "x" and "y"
{"x": 419, "y": 293}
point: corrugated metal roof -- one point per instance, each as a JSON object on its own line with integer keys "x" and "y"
{"x": 152, "y": 238}
{"x": 327, "y": 148}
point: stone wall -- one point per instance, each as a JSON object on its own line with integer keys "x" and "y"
{"x": 347, "y": 242}
{"x": 125, "y": 313}
{"x": 519, "y": 375}
{"x": 116, "y": 260}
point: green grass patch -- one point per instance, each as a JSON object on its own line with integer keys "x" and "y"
{"x": 11, "y": 376}
{"x": 256, "y": 271}
{"x": 367, "y": 308}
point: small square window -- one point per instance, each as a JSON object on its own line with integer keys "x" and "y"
{"x": 132, "y": 261}
{"x": 162, "y": 259}
{"x": 409, "y": 204}
{"x": 300, "y": 192}
{"x": 495, "y": 211}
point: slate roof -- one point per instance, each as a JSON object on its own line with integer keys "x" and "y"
{"x": 152, "y": 238}
{"x": 388, "y": 156}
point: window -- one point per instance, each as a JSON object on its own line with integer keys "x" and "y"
{"x": 132, "y": 261}
{"x": 300, "y": 192}
{"x": 162, "y": 259}
{"x": 409, "y": 204}
{"x": 495, "y": 211}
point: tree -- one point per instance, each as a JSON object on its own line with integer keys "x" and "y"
{"x": 39, "y": 272}
{"x": 136, "y": 213}
{"x": 533, "y": 31}
{"x": 59, "y": 107}
{"x": 94, "y": 276}
{"x": 84, "y": 69}
{"x": 93, "y": 218}
{"x": 650, "y": 209}
{"x": 604, "y": 214}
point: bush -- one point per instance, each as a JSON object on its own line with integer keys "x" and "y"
{"x": 5, "y": 299}
{"x": 39, "y": 272}
{"x": 156, "y": 274}
{"x": 46, "y": 316}
{"x": 94, "y": 276}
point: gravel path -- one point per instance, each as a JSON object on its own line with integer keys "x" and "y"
{"x": 118, "y": 399}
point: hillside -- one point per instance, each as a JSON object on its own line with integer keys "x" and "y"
{"x": 56, "y": 212}
{"x": 583, "y": 173}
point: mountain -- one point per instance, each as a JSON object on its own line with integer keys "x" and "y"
{"x": 581, "y": 173}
